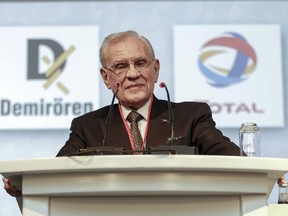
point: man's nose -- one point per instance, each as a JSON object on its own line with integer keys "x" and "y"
{"x": 133, "y": 71}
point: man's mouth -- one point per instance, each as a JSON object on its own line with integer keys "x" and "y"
{"x": 134, "y": 86}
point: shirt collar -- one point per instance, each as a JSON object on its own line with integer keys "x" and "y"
{"x": 142, "y": 110}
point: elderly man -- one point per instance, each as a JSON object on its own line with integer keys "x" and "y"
{"x": 129, "y": 60}
{"x": 140, "y": 121}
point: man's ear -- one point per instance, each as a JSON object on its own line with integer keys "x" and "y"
{"x": 156, "y": 70}
{"x": 105, "y": 78}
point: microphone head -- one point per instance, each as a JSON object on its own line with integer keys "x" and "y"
{"x": 162, "y": 84}
{"x": 117, "y": 84}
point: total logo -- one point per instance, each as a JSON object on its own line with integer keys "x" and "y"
{"x": 227, "y": 60}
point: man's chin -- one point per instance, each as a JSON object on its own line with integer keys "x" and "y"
{"x": 136, "y": 101}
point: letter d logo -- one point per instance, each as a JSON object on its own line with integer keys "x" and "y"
{"x": 33, "y": 56}
{"x": 60, "y": 56}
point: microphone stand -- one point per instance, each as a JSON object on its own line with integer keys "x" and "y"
{"x": 104, "y": 150}
{"x": 171, "y": 116}
{"x": 108, "y": 118}
{"x": 179, "y": 149}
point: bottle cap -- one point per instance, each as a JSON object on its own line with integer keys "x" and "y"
{"x": 282, "y": 182}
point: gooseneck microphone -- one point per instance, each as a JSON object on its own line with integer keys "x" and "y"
{"x": 108, "y": 118}
{"x": 170, "y": 112}
{"x": 180, "y": 147}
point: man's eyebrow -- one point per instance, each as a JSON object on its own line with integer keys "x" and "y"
{"x": 121, "y": 61}
{"x": 132, "y": 59}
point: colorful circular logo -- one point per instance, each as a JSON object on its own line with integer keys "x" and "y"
{"x": 227, "y": 60}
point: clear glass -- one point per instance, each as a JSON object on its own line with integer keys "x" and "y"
{"x": 283, "y": 194}
{"x": 249, "y": 139}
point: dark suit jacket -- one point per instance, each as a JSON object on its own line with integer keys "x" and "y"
{"x": 192, "y": 121}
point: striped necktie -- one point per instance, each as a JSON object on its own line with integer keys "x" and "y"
{"x": 134, "y": 117}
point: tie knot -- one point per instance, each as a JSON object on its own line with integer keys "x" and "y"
{"x": 134, "y": 117}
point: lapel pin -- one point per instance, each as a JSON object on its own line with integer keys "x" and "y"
{"x": 165, "y": 120}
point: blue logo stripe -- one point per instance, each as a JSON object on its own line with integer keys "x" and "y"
{"x": 239, "y": 65}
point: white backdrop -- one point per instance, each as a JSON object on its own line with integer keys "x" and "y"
{"x": 155, "y": 20}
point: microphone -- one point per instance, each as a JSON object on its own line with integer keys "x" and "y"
{"x": 180, "y": 147}
{"x": 103, "y": 150}
{"x": 170, "y": 112}
{"x": 108, "y": 118}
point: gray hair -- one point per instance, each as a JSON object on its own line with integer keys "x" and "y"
{"x": 115, "y": 37}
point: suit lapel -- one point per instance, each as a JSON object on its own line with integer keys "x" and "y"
{"x": 117, "y": 134}
{"x": 159, "y": 127}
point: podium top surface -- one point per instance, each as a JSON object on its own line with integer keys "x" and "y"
{"x": 112, "y": 163}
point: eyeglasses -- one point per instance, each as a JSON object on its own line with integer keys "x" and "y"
{"x": 121, "y": 68}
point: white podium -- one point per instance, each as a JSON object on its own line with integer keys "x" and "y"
{"x": 141, "y": 185}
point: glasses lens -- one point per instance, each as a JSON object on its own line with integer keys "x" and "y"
{"x": 123, "y": 67}
{"x": 142, "y": 64}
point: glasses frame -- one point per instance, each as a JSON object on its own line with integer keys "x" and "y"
{"x": 113, "y": 70}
